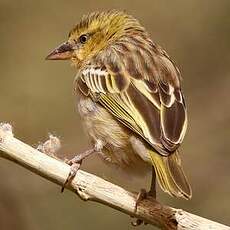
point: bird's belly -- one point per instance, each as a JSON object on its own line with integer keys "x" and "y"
{"x": 100, "y": 125}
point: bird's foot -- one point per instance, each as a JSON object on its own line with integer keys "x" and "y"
{"x": 75, "y": 164}
{"x": 72, "y": 173}
{"x": 142, "y": 195}
{"x": 138, "y": 222}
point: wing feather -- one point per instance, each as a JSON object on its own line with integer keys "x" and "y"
{"x": 148, "y": 102}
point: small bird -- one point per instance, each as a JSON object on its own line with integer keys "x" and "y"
{"x": 129, "y": 98}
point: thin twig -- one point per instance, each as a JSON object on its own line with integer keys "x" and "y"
{"x": 91, "y": 187}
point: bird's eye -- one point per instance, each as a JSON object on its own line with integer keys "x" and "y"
{"x": 83, "y": 38}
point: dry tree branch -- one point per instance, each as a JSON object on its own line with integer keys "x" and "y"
{"x": 91, "y": 187}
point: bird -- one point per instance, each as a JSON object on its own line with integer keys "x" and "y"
{"x": 129, "y": 97}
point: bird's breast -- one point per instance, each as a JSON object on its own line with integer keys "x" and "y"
{"x": 99, "y": 124}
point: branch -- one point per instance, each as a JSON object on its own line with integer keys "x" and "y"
{"x": 91, "y": 187}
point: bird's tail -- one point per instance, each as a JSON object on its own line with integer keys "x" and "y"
{"x": 170, "y": 175}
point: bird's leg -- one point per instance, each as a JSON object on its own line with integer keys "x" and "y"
{"x": 152, "y": 191}
{"x": 143, "y": 195}
{"x": 76, "y": 162}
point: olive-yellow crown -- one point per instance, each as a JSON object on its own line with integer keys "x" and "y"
{"x": 98, "y": 30}
{"x": 95, "y": 32}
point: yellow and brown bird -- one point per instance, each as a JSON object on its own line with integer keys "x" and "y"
{"x": 129, "y": 97}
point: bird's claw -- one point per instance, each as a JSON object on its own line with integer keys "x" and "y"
{"x": 136, "y": 222}
{"x": 75, "y": 164}
{"x": 72, "y": 173}
{"x": 140, "y": 196}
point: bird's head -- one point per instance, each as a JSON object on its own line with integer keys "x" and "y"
{"x": 94, "y": 33}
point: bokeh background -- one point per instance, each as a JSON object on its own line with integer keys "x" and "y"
{"x": 36, "y": 98}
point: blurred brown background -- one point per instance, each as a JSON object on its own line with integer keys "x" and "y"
{"x": 36, "y": 98}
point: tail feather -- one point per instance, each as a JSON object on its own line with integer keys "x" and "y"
{"x": 170, "y": 175}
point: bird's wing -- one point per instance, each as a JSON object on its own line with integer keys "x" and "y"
{"x": 151, "y": 106}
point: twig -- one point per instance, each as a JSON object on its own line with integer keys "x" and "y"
{"x": 91, "y": 187}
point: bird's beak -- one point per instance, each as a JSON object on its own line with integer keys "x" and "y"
{"x": 62, "y": 52}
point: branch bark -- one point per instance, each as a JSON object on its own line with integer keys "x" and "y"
{"x": 91, "y": 187}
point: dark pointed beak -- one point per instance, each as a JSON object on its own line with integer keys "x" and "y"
{"x": 62, "y": 52}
